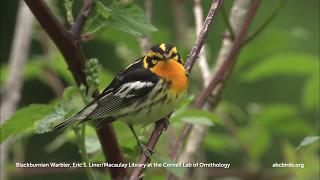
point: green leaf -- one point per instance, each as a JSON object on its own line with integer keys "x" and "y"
{"x": 102, "y": 10}
{"x": 281, "y": 119}
{"x": 275, "y": 114}
{"x": 128, "y": 18}
{"x": 68, "y": 7}
{"x": 24, "y": 119}
{"x": 310, "y": 93}
{"x": 284, "y": 64}
{"x": 196, "y": 116}
{"x": 91, "y": 140}
{"x": 59, "y": 114}
{"x": 308, "y": 140}
{"x": 92, "y": 144}
{"x": 198, "y": 120}
{"x": 69, "y": 92}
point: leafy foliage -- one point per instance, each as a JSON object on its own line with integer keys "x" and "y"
{"x": 24, "y": 119}
{"x": 286, "y": 64}
{"x": 58, "y": 115}
{"x": 128, "y": 18}
{"x": 196, "y": 116}
{"x": 269, "y": 105}
{"x": 308, "y": 140}
{"x": 310, "y": 93}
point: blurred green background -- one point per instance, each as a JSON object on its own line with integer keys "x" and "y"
{"x": 271, "y": 98}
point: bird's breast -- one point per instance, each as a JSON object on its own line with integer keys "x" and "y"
{"x": 173, "y": 72}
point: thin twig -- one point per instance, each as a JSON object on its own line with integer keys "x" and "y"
{"x": 192, "y": 56}
{"x": 225, "y": 67}
{"x": 203, "y": 65}
{"x": 80, "y": 137}
{"x": 227, "y": 22}
{"x": 161, "y": 124}
{"x": 64, "y": 41}
{"x": 230, "y": 58}
{"x": 153, "y": 139}
{"x": 82, "y": 17}
{"x": 70, "y": 49}
{"x": 10, "y": 96}
{"x": 274, "y": 13}
{"x": 202, "y": 62}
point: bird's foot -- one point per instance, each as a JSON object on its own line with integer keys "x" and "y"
{"x": 146, "y": 150}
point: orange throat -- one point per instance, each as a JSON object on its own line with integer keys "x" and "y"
{"x": 173, "y": 72}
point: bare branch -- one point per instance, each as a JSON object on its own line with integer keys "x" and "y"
{"x": 11, "y": 93}
{"x": 231, "y": 56}
{"x": 82, "y": 17}
{"x": 202, "y": 35}
{"x": 63, "y": 39}
{"x": 161, "y": 124}
{"x": 274, "y": 13}
{"x": 153, "y": 139}
{"x": 203, "y": 64}
{"x": 217, "y": 81}
{"x": 69, "y": 46}
{"x": 237, "y": 16}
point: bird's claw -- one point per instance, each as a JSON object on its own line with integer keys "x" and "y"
{"x": 146, "y": 150}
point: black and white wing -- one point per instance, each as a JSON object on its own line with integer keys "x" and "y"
{"x": 132, "y": 83}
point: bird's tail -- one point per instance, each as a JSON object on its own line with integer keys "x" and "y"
{"x": 79, "y": 117}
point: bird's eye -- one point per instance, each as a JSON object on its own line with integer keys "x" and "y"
{"x": 154, "y": 61}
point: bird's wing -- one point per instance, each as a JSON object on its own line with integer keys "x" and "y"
{"x": 132, "y": 83}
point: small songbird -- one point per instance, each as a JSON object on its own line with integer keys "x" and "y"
{"x": 147, "y": 90}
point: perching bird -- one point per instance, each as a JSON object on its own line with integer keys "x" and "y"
{"x": 147, "y": 90}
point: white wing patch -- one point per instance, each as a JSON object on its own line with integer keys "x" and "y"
{"x": 126, "y": 89}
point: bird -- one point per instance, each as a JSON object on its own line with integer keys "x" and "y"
{"x": 147, "y": 90}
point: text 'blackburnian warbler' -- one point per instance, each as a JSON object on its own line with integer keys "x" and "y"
{"x": 146, "y": 91}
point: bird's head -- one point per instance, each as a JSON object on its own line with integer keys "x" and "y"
{"x": 161, "y": 53}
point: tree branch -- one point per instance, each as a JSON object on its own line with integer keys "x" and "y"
{"x": 161, "y": 124}
{"x": 69, "y": 46}
{"x": 191, "y": 59}
{"x": 217, "y": 81}
{"x": 274, "y": 13}
{"x": 230, "y": 58}
{"x": 10, "y": 96}
{"x": 202, "y": 62}
{"x": 82, "y": 17}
